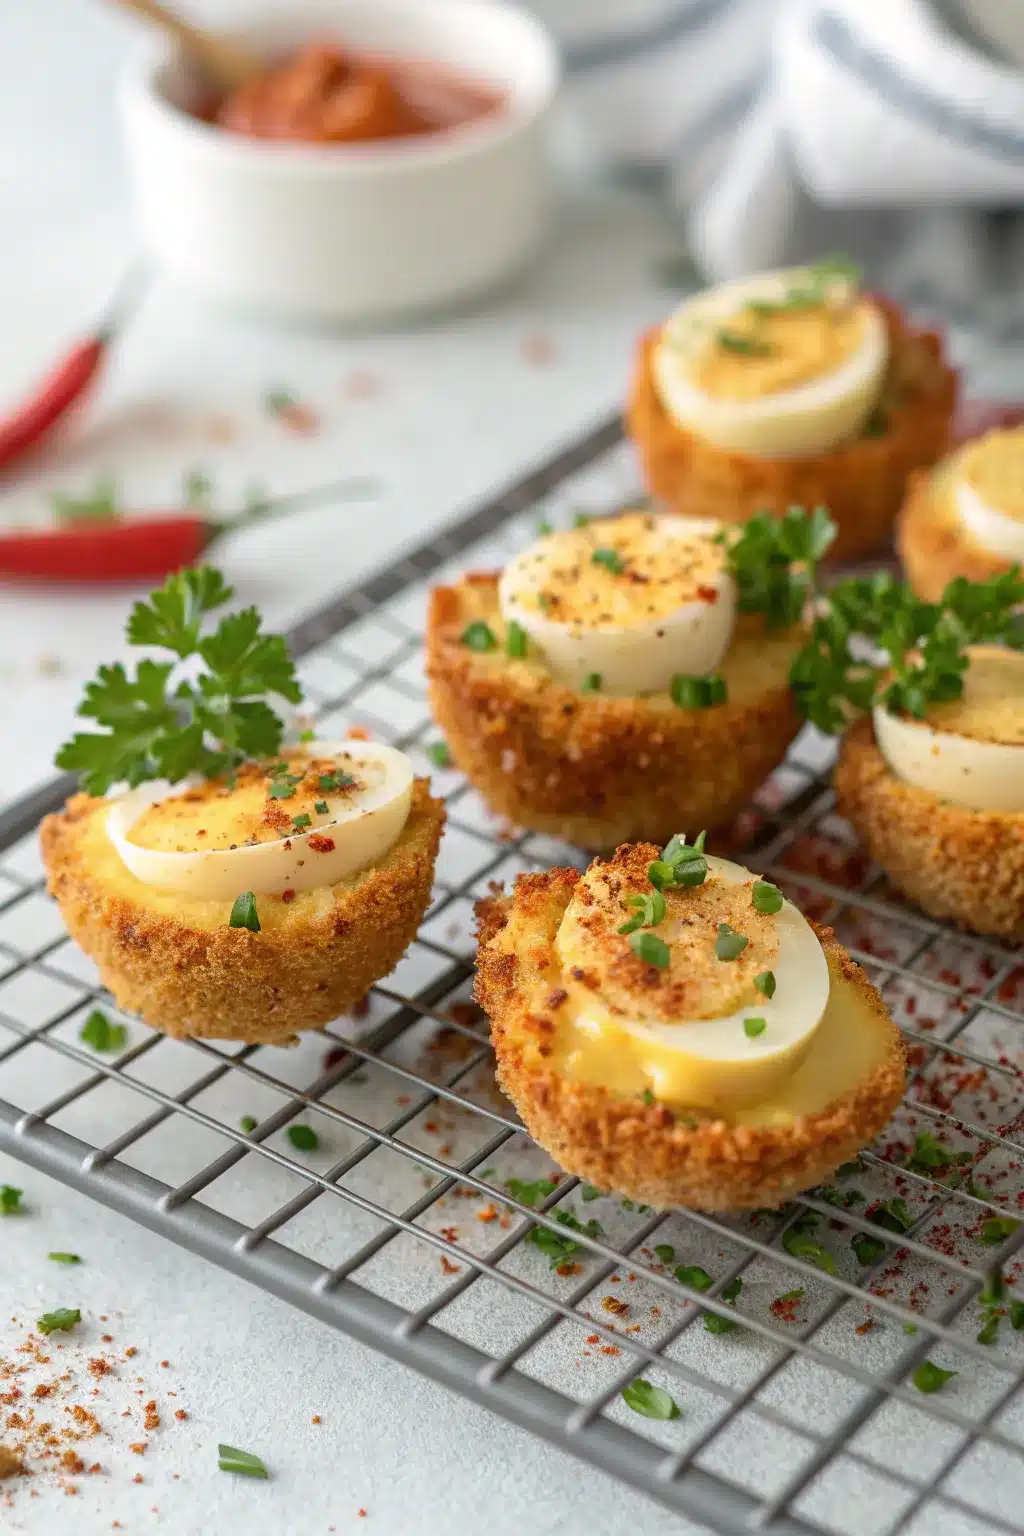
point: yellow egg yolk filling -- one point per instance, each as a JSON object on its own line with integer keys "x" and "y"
{"x": 993, "y": 467}
{"x": 991, "y": 707}
{"x": 764, "y": 350}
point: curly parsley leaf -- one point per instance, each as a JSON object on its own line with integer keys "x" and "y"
{"x": 212, "y": 720}
{"x": 774, "y": 560}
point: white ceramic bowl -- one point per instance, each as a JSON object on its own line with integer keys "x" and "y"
{"x": 351, "y": 232}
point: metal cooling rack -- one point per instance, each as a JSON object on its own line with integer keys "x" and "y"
{"x": 401, "y": 1229}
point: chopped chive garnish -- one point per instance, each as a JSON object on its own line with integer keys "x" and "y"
{"x": 544, "y": 528}
{"x": 610, "y": 559}
{"x": 729, "y": 945}
{"x": 60, "y": 1321}
{"x": 247, "y": 1123}
{"x": 322, "y": 808}
{"x": 300, "y": 823}
{"x": 754, "y": 1027}
{"x": 652, "y": 1402}
{"x": 10, "y": 1199}
{"x": 283, "y": 788}
{"x": 244, "y": 914}
{"x": 591, "y": 683}
{"x": 650, "y": 910}
{"x": 694, "y": 1276}
{"x": 479, "y": 636}
{"x": 230, "y": 1459}
{"x": 764, "y": 981}
{"x": 98, "y": 1032}
{"x": 307, "y": 736}
{"x": 304, "y": 1137}
{"x": 64, "y": 1258}
{"x": 930, "y": 1377}
{"x": 766, "y": 898}
{"x": 698, "y": 692}
{"x": 331, "y": 781}
{"x": 580, "y": 519}
{"x": 649, "y": 948}
{"x": 515, "y": 639}
{"x": 440, "y": 754}
{"x": 746, "y": 346}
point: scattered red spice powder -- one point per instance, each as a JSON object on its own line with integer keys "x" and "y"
{"x": 448, "y": 1267}
{"x": 319, "y": 843}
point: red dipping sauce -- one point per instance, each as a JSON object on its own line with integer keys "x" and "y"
{"x": 323, "y": 95}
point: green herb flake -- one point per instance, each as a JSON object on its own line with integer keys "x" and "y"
{"x": 894, "y": 1215}
{"x": 479, "y": 636}
{"x": 652, "y": 1402}
{"x": 590, "y": 1192}
{"x": 231, "y": 1459}
{"x": 580, "y": 519}
{"x": 530, "y": 1191}
{"x": 439, "y": 753}
{"x": 766, "y": 898}
{"x": 930, "y": 1153}
{"x": 743, "y": 346}
{"x": 694, "y": 1276}
{"x": 197, "y": 489}
{"x": 868, "y": 1249}
{"x": 248, "y": 1123}
{"x": 989, "y": 1330}
{"x": 544, "y": 528}
{"x": 244, "y": 914}
{"x": 98, "y": 1032}
{"x": 764, "y": 981}
{"x": 300, "y": 823}
{"x": 64, "y": 1258}
{"x": 305, "y": 737}
{"x": 1017, "y": 1315}
{"x": 794, "y": 1295}
{"x": 591, "y": 683}
{"x": 665, "y": 1253}
{"x": 10, "y": 1199}
{"x": 799, "y": 1246}
{"x": 650, "y": 910}
{"x": 322, "y": 808}
{"x": 610, "y": 559}
{"x": 60, "y": 1321}
{"x": 997, "y": 1229}
{"x": 910, "y": 1328}
{"x": 930, "y": 1377}
{"x": 698, "y": 692}
{"x": 328, "y": 782}
{"x": 732, "y": 1289}
{"x": 99, "y": 506}
{"x": 303, "y": 1137}
{"x": 729, "y": 945}
{"x": 516, "y": 640}
{"x": 715, "y": 1323}
{"x": 754, "y": 1027}
{"x": 649, "y": 948}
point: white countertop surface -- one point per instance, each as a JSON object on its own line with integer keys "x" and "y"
{"x": 462, "y": 405}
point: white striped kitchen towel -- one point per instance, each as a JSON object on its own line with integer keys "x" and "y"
{"x": 788, "y": 126}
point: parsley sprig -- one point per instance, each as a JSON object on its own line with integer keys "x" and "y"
{"x": 774, "y": 562}
{"x": 156, "y": 723}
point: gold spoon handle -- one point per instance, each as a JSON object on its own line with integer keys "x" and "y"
{"x": 225, "y": 63}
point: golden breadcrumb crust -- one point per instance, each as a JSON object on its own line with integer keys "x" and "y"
{"x": 933, "y": 545}
{"x": 641, "y": 1149}
{"x": 309, "y": 964}
{"x": 957, "y": 864}
{"x": 597, "y": 770}
{"x": 861, "y": 481}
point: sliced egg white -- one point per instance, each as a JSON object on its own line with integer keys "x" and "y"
{"x": 980, "y": 775}
{"x": 810, "y": 418}
{"x": 608, "y": 630}
{"x": 995, "y": 528}
{"x": 713, "y": 1063}
{"x": 362, "y": 826}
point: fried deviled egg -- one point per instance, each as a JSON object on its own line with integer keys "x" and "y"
{"x": 939, "y": 801}
{"x": 966, "y": 516}
{"x": 604, "y": 686}
{"x": 253, "y": 907}
{"x": 224, "y": 884}
{"x": 790, "y": 387}
{"x": 670, "y": 1027}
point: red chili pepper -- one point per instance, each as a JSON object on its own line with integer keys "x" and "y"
{"x": 138, "y": 549}
{"x": 62, "y": 388}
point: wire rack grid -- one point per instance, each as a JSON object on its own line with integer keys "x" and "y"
{"x": 426, "y": 1223}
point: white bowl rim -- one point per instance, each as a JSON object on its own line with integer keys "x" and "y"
{"x": 141, "y": 93}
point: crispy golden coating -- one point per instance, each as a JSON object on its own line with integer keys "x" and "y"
{"x": 639, "y": 1148}
{"x": 861, "y": 482}
{"x": 593, "y": 770}
{"x": 933, "y": 544}
{"x": 178, "y": 964}
{"x": 960, "y": 865}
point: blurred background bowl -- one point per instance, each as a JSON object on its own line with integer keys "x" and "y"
{"x": 351, "y": 232}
